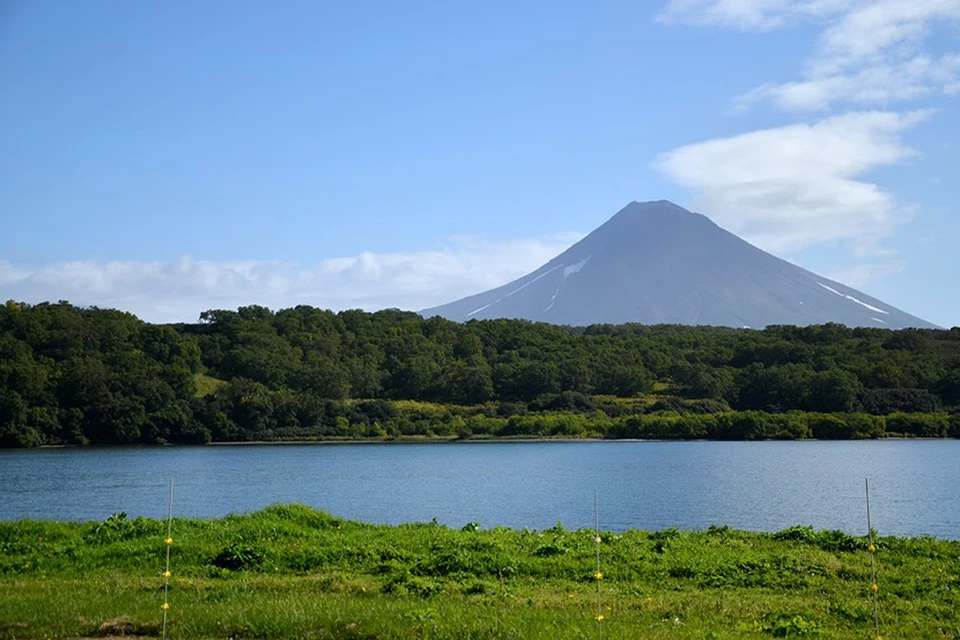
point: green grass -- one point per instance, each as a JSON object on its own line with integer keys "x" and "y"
{"x": 291, "y": 572}
{"x": 205, "y": 385}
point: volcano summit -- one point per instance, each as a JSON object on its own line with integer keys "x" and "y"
{"x": 657, "y": 263}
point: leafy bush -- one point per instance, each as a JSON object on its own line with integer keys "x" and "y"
{"x": 828, "y": 540}
{"x": 785, "y": 625}
{"x": 119, "y": 527}
{"x": 884, "y": 401}
{"x": 239, "y": 557}
{"x": 919, "y": 425}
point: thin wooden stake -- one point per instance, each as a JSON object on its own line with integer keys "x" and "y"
{"x": 873, "y": 564}
{"x": 166, "y": 573}
{"x": 596, "y": 526}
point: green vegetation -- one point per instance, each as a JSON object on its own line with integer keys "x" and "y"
{"x": 78, "y": 376}
{"x": 291, "y": 572}
{"x": 205, "y": 385}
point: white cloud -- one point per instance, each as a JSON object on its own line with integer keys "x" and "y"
{"x": 881, "y": 29}
{"x": 860, "y": 274}
{"x": 179, "y": 290}
{"x": 870, "y": 52}
{"x": 884, "y": 83}
{"x": 746, "y": 15}
{"x": 793, "y": 187}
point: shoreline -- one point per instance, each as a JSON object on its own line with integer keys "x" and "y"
{"x": 455, "y": 440}
{"x": 282, "y": 506}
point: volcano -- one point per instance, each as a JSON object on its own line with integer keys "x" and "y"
{"x": 657, "y": 263}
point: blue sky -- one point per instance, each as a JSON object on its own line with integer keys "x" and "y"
{"x": 171, "y": 157}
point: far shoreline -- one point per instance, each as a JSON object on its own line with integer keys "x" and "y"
{"x": 454, "y": 440}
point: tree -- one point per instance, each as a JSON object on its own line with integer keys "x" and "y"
{"x": 624, "y": 380}
{"x": 773, "y": 389}
{"x": 948, "y": 387}
{"x": 14, "y": 431}
{"x": 833, "y": 391}
{"x": 249, "y": 405}
{"x": 469, "y": 382}
{"x": 322, "y": 377}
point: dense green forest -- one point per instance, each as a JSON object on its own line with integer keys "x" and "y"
{"x": 72, "y": 375}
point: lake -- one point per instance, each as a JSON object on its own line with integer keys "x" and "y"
{"x": 760, "y": 486}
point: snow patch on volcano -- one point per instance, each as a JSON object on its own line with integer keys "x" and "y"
{"x": 852, "y": 299}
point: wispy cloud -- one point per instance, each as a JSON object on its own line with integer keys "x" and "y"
{"x": 868, "y": 52}
{"x": 789, "y": 188}
{"x": 890, "y": 81}
{"x": 179, "y": 290}
{"x": 747, "y": 15}
{"x": 861, "y": 274}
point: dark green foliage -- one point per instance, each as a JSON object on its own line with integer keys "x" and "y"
{"x": 884, "y": 401}
{"x": 682, "y": 405}
{"x": 239, "y": 557}
{"x": 948, "y": 387}
{"x": 785, "y": 625}
{"x": 119, "y": 527}
{"x": 954, "y": 425}
{"x": 935, "y": 425}
{"x": 77, "y": 376}
{"x": 828, "y": 540}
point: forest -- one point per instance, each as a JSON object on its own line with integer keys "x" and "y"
{"x": 71, "y": 375}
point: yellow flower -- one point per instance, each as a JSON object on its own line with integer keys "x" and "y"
{"x": 597, "y": 540}
{"x": 569, "y": 595}
{"x": 169, "y": 540}
{"x": 872, "y": 549}
{"x": 874, "y": 587}
{"x": 167, "y": 574}
{"x": 598, "y": 576}
{"x": 165, "y": 606}
{"x": 600, "y": 618}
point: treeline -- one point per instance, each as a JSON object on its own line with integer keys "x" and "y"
{"x": 73, "y": 375}
{"x": 385, "y": 419}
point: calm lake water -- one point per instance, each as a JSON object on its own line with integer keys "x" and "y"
{"x": 763, "y": 486}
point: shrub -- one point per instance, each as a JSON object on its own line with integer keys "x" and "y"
{"x": 682, "y": 405}
{"x": 791, "y": 625}
{"x": 831, "y": 427}
{"x": 919, "y": 425}
{"x": 884, "y": 401}
{"x": 954, "y": 425}
{"x": 239, "y": 557}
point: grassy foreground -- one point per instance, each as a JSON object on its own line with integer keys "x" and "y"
{"x": 292, "y": 572}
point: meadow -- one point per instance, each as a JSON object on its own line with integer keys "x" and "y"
{"x": 289, "y": 571}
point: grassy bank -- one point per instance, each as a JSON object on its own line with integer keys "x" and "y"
{"x": 292, "y": 572}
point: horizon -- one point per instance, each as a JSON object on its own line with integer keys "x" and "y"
{"x": 167, "y": 159}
